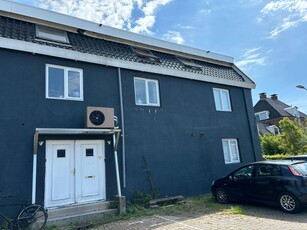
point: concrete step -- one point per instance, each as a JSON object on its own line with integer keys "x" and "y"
{"x": 78, "y": 213}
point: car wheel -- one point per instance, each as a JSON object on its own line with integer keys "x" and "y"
{"x": 221, "y": 196}
{"x": 288, "y": 203}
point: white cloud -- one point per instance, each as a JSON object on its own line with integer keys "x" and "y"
{"x": 111, "y": 13}
{"x": 292, "y": 12}
{"x": 251, "y": 57}
{"x": 174, "y": 36}
{"x": 115, "y": 13}
{"x": 144, "y": 24}
{"x": 179, "y": 26}
{"x": 204, "y": 11}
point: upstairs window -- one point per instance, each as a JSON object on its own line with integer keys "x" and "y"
{"x": 145, "y": 54}
{"x": 146, "y": 92}
{"x": 273, "y": 129}
{"x": 189, "y": 63}
{"x": 51, "y": 34}
{"x": 221, "y": 99}
{"x": 264, "y": 115}
{"x": 64, "y": 83}
{"x": 293, "y": 111}
{"x": 231, "y": 151}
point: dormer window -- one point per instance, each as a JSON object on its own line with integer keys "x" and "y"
{"x": 273, "y": 129}
{"x": 145, "y": 54}
{"x": 189, "y": 63}
{"x": 51, "y": 34}
{"x": 264, "y": 115}
{"x": 293, "y": 111}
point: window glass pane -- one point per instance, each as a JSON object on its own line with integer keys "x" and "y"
{"x": 263, "y": 115}
{"x": 49, "y": 33}
{"x": 234, "y": 152}
{"x": 225, "y": 101}
{"x": 217, "y": 99}
{"x": 89, "y": 152}
{"x": 61, "y": 153}
{"x": 73, "y": 84}
{"x": 301, "y": 167}
{"x": 152, "y": 92}
{"x": 140, "y": 91}
{"x": 244, "y": 173}
{"x": 226, "y": 152}
{"x": 55, "y": 82}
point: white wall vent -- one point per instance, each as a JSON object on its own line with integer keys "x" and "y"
{"x": 99, "y": 117}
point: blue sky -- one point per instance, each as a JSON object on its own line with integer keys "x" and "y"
{"x": 268, "y": 39}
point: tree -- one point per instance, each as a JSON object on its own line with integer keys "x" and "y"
{"x": 270, "y": 144}
{"x": 292, "y": 139}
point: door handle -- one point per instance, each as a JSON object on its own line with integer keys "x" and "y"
{"x": 88, "y": 177}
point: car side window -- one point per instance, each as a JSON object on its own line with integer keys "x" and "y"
{"x": 268, "y": 170}
{"x": 244, "y": 173}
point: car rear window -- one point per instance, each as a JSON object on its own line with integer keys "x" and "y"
{"x": 301, "y": 167}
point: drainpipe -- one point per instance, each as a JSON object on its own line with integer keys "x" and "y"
{"x": 123, "y": 125}
{"x": 115, "y": 144}
{"x": 34, "y": 167}
{"x": 251, "y": 123}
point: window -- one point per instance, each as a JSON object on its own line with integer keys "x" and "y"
{"x": 293, "y": 111}
{"x": 64, "y": 83}
{"x": 189, "y": 63}
{"x": 146, "y": 92}
{"x": 262, "y": 115}
{"x": 52, "y": 34}
{"x": 273, "y": 129}
{"x": 244, "y": 173}
{"x": 221, "y": 99}
{"x": 145, "y": 54}
{"x": 231, "y": 151}
{"x": 268, "y": 170}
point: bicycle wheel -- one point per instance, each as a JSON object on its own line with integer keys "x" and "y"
{"x": 32, "y": 217}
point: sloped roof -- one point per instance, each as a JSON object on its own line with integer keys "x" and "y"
{"x": 262, "y": 127}
{"x": 17, "y": 24}
{"x": 276, "y": 108}
{"x": 25, "y": 31}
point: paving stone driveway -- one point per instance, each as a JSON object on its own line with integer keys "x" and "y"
{"x": 255, "y": 218}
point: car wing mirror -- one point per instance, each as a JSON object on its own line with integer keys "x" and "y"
{"x": 230, "y": 177}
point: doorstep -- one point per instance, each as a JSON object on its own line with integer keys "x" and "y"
{"x": 79, "y": 213}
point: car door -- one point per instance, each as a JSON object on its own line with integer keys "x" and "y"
{"x": 265, "y": 183}
{"x": 240, "y": 181}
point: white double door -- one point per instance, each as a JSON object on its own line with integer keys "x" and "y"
{"x": 75, "y": 172}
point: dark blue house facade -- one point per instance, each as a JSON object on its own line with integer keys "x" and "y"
{"x": 184, "y": 116}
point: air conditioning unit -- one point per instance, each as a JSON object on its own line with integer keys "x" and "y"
{"x": 99, "y": 117}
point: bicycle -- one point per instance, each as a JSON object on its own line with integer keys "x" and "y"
{"x": 33, "y": 216}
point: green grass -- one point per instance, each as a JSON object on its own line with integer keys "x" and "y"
{"x": 200, "y": 205}
{"x": 235, "y": 210}
{"x": 191, "y": 207}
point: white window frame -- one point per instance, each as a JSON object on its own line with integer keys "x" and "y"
{"x": 263, "y": 115}
{"x": 228, "y": 141}
{"x": 66, "y": 69}
{"x": 147, "y": 92}
{"x": 220, "y": 99}
{"x": 273, "y": 129}
{"x": 51, "y": 34}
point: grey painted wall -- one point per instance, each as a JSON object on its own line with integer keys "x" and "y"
{"x": 24, "y": 107}
{"x": 174, "y": 149}
{"x": 177, "y": 148}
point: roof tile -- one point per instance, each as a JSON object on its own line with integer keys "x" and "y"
{"x": 25, "y": 31}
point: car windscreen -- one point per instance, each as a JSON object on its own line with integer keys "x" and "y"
{"x": 301, "y": 167}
